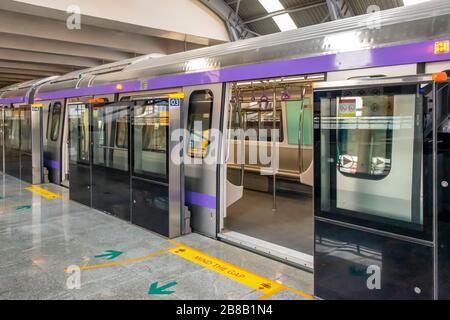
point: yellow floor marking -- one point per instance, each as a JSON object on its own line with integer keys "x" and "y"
{"x": 114, "y": 263}
{"x": 264, "y": 297}
{"x": 248, "y": 278}
{"x": 226, "y": 269}
{"x": 44, "y": 193}
{"x": 305, "y": 295}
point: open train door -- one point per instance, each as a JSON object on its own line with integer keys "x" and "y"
{"x": 203, "y": 112}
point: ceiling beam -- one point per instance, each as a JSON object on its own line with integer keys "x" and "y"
{"x": 16, "y": 78}
{"x": 26, "y": 43}
{"x": 35, "y": 67}
{"x": 28, "y": 72}
{"x": 339, "y": 9}
{"x": 54, "y": 59}
{"x": 236, "y": 28}
{"x": 44, "y": 28}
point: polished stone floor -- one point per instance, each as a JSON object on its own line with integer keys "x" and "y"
{"x": 41, "y": 238}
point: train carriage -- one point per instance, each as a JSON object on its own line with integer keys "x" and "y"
{"x": 322, "y": 139}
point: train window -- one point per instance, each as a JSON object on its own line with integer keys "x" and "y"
{"x": 14, "y": 133}
{"x": 257, "y": 120}
{"x": 55, "y": 121}
{"x": 122, "y": 133}
{"x": 25, "y": 129}
{"x": 365, "y": 135}
{"x": 293, "y": 114}
{"x": 49, "y": 117}
{"x": 199, "y": 122}
{"x": 110, "y": 136}
{"x": 150, "y": 134}
{"x": 267, "y": 119}
{"x": 79, "y": 133}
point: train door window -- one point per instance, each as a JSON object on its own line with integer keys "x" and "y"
{"x": 15, "y": 129}
{"x": 372, "y": 169}
{"x": 111, "y": 125}
{"x": 49, "y": 117}
{"x": 55, "y": 121}
{"x": 122, "y": 133}
{"x": 79, "y": 133}
{"x": 364, "y": 136}
{"x": 199, "y": 122}
{"x": 150, "y": 135}
{"x": 25, "y": 129}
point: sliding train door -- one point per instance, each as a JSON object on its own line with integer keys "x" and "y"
{"x": 374, "y": 234}
{"x": 26, "y": 155}
{"x": 12, "y": 141}
{"x": 80, "y": 153}
{"x": 110, "y": 159}
{"x": 156, "y": 175}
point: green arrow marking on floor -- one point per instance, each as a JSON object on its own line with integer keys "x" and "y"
{"x": 23, "y": 207}
{"x": 155, "y": 290}
{"x": 110, "y": 254}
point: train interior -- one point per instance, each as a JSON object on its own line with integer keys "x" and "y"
{"x": 269, "y": 200}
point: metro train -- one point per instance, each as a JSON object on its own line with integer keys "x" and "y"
{"x": 340, "y": 109}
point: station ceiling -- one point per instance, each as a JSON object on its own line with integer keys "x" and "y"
{"x": 303, "y": 12}
{"x": 35, "y": 41}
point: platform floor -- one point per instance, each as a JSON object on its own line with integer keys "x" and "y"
{"x": 49, "y": 245}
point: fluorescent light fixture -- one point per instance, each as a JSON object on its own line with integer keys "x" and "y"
{"x": 271, "y": 5}
{"x": 413, "y": 2}
{"x": 283, "y": 21}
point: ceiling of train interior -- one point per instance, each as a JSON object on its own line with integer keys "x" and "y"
{"x": 35, "y": 41}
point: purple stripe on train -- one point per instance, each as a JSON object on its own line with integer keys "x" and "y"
{"x": 367, "y": 58}
{"x": 90, "y": 91}
{"x": 200, "y": 199}
{"x": 14, "y": 100}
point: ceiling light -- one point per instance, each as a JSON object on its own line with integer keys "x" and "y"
{"x": 285, "y": 22}
{"x": 271, "y": 5}
{"x": 413, "y": 2}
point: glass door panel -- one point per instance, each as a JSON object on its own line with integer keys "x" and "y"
{"x": 110, "y": 170}
{"x": 150, "y": 165}
{"x": 373, "y": 192}
{"x": 26, "y": 159}
{"x": 79, "y": 154}
{"x": 12, "y": 142}
{"x": 371, "y": 146}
